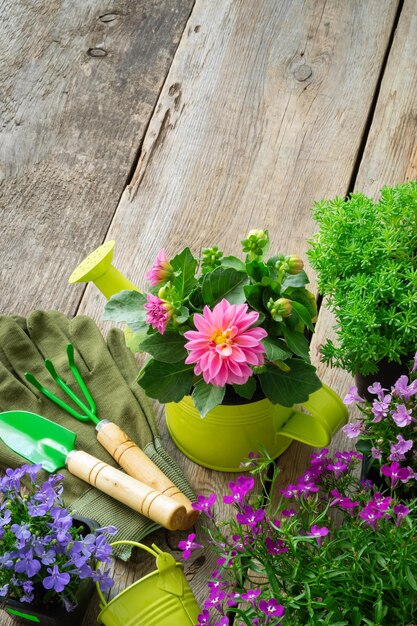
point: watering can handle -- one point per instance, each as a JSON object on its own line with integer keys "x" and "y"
{"x": 135, "y": 494}
{"x": 137, "y": 464}
{"x": 328, "y": 414}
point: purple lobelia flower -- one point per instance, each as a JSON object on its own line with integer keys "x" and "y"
{"x": 377, "y": 390}
{"x": 27, "y": 564}
{"x": 376, "y": 453}
{"x": 400, "y": 511}
{"x": 338, "y": 468}
{"x": 402, "y": 416}
{"x": 396, "y": 473}
{"x": 370, "y": 515}
{"x": 205, "y": 504}
{"x": 251, "y": 595}
{"x": 215, "y": 599}
{"x": 240, "y": 489}
{"x": 21, "y": 532}
{"x": 353, "y": 429}
{"x": 56, "y": 580}
{"x": 380, "y": 408}
{"x": 275, "y": 547}
{"x": 318, "y": 532}
{"x": 204, "y": 618}
{"x": 271, "y": 607}
{"x": 399, "y": 450}
{"x": 4, "y": 590}
{"x": 352, "y": 396}
{"x": 224, "y": 621}
{"x": 249, "y": 517}
{"x": 189, "y": 545}
{"x": 102, "y": 578}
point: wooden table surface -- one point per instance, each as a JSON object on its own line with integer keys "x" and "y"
{"x": 164, "y": 123}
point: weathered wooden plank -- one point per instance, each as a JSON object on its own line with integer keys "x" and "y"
{"x": 79, "y": 81}
{"x": 390, "y": 157}
{"x": 263, "y": 111}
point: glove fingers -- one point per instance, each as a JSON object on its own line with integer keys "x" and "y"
{"x": 14, "y": 395}
{"x": 49, "y": 331}
{"x": 18, "y": 353}
{"x": 90, "y": 343}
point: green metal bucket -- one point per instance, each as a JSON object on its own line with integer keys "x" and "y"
{"x": 162, "y": 598}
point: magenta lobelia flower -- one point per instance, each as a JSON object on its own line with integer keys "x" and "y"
{"x": 239, "y": 490}
{"x": 224, "y": 345}
{"x": 205, "y": 504}
{"x": 159, "y": 313}
{"x": 401, "y": 416}
{"x": 271, "y": 607}
{"x": 353, "y": 429}
{"x": 161, "y": 271}
{"x": 352, "y": 396}
{"x": 188, "y": 546}
{"x": 318, "y": 532}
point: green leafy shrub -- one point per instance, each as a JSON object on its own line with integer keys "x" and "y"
{"x": 365, "y": 256}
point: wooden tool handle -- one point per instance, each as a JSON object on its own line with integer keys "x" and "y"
{"x": 135, "y": 494}
{"x": 137, "y": 464}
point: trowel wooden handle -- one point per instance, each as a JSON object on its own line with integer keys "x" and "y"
{"x": 135, "y": 494}
{"x": 137, "y": 464}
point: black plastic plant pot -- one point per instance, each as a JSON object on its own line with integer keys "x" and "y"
{"x": 56, "y": 615}
{"x": 388, "y": 373}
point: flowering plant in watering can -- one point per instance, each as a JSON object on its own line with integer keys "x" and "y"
{"x": 46, "y": 555}
{"x": 328, "y": 549}
{"x": 220, "y": 325}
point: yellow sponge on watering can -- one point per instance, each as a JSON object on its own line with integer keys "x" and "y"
{"x": 161, "y": 598}
{"x": 97, "y": 267}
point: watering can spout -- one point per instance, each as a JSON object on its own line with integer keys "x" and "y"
{"x": 97, "y": 267}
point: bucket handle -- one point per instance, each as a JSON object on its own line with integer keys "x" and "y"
{"x": 155, "y": 552}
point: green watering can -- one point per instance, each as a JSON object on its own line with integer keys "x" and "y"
{"x": 39, "y": 440}
{"x": 161, "y": 598}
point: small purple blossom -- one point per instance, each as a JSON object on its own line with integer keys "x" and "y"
{"x": 377, "y": 390}
{"x": 396, "y": 473}
{"x": 275, "y": 547}
{"x": 243, "y": 485}
{"x": 4, "y": 590}
{"x": 376, "y": 453}
{"x": 380, "y": 408}
{"x": 251, "y": 595}
{"x": 205, "y": 504}
{"x": 352, "y": 396}
{"x": 215, "y": 599}
{"x": 224, "y": 621}
{"x": 370, "y": 515}
{"x": 337, "y": 468}
{"x": 188, "y": 546}
{"x": 399, "y": 450}
{"x": 57, "y": 580}
{"x": 102, "y": 578}
{"x": 288, "y": 512}
{"x": 400, "y": 511}
{"x": 27, "y": 564}
{"x": 249, "y": 517}
{"x": 271, "y": 607}
{"x": 318, "y": 532}
{"x": 204, "y": 618}
{"x": 353, "y": 429}
{"x": 402, "y": 416}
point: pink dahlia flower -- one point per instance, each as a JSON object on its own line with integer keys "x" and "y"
{"x": 159, "y": 313}
{"x": 161, "y": 270}
{"x": 224, "y": 345}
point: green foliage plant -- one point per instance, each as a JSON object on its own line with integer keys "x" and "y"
{"x": 271, "y": 292}
{"x": 365, "y": 256}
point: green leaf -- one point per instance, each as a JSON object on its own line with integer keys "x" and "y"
{"x": 186, "y": 266}
{"x": 182, "y": 316}
{"x": 296, "y": 342}
{"x": 276, "y": 349}
{"x": 206, "y": 397}
{"x": 295, "y": 280}
{"x": 166, "y": 382}
{"x": 247, "y": 390}
{"x": 288, "y": 388}
{"x": 224, "y": 283}
{"x": 302, "y": 313}
{"x": 257, "y": 270}
{"x": 234, "y": 262}
{"x": 410, "y": 577}
{"x": 133, "y": 341}
{"x": 253, "y": 295}
{"x": 168, "y": 348}
{"x": 126, "y": 306}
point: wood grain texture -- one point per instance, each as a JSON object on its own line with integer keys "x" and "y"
{"x": 79, "y": 81}
{"x": 262, "y": 113}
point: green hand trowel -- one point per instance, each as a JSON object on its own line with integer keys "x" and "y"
{"x": 39, "y": 440}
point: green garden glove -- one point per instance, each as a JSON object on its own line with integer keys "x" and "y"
{"x": 109, "y": 371}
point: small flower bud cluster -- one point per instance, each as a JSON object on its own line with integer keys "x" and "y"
{"x": 292, "y": 264}
{"x": 256, "y": 242}
{"x": 210, "y": 259}
{"x": 279, "y": 308}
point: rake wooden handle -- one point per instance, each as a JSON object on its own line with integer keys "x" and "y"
{"x": 137, "y": 464}
{"x": 135, "y": 494}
